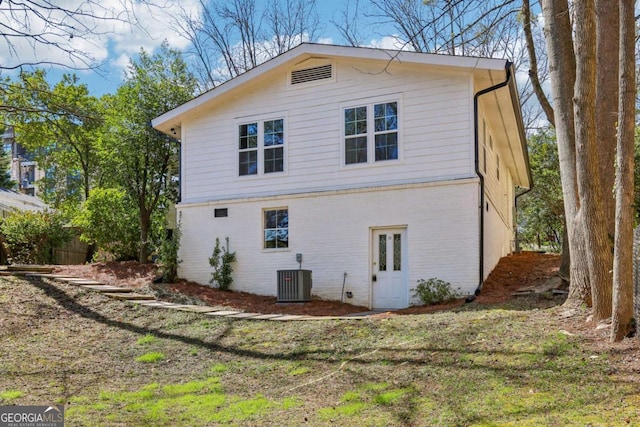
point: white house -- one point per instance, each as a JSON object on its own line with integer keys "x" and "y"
{"x": 377, "y": 168}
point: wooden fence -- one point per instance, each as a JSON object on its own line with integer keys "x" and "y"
{"x": 74, "y": 252}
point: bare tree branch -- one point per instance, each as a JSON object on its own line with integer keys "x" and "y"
{"x": 30, "y": 27}
{"x": 533, "y": 64}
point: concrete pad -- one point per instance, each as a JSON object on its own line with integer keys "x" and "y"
{"x": 30, "y": 268}
{"x": 201, "y": 309}
{"x": 84, "y": 282}
{"x": 129, "y": 296}
{"x": 155, "y": 303}
{"x": 107, "y": 288}
{"x": 222, "y": 313}
{"x": 266, "y": 316}
{"x": 193, "y": 308}
{"x": 60, "y": 278}
{"x": 244, "y": 315}
{"x": 288, "y": 317}
{"x": 45, "y": 275}
{"x": 179, "y": 307}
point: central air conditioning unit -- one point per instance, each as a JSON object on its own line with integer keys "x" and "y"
{"x": 294, "y": 285}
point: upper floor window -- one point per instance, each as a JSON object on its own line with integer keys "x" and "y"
{"x": 371, "y": 131}
{"x": 355, "y": 135}
{"x": 274, "y": 146}
{"x": 261, "y": 147}
{"x": 248, "y": 149}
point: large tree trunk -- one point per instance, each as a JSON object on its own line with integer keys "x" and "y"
{"x": 591, "y": 211}
{"x": 562, "y": 70}
{"x": 607, "y": 42}
{"x": 623, "y": 260}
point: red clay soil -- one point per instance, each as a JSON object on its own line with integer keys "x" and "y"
{"x": 514, "y": 272}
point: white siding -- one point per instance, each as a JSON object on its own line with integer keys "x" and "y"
{"x": 333, "y": 231}
{"x": 498, "y": 237}
{"x": 499, "y": 197}
{"x": 435, "y": 129}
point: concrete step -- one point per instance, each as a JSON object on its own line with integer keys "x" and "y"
{"x": 129, "y": 296}
{"x": 107, "y": 288}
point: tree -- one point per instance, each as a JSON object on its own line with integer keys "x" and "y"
{"x": 147, "y": 160}
{"x": 584, "y": 122}
{"x": 41, "y": 32}
{"x": 622, "y": 264}
{"x": 63, "y": 126}
{"x": 454, "y": 27}
{"x": 591, "y": 210}
{"x": 541, "y": 211}
{"x": 562, "y": 66}
{"x": 5, "y": 168}
{"x": 231, "y": 37}
{"x": 108, "y": 220}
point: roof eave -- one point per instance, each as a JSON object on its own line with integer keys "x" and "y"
{"x": 173, "y": 118}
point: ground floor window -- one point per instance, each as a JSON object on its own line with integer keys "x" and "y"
{"x": 276, "y": 228}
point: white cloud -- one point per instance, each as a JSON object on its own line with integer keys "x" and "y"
{"x": 105, "y": 29}
{"x": 327, "y": 40}
{"x": 389, "y": 42}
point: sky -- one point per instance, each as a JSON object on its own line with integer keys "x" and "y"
{"x": 117, "y": 42}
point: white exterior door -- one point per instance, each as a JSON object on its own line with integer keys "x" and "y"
{"x": 389, "y": 276}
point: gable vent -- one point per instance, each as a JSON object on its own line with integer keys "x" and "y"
{"x": 313, "y": 74}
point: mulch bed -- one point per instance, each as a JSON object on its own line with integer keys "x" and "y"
{"x": 514, "y": 272}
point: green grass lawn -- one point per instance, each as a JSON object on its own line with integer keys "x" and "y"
{"x": 116, "y": 364}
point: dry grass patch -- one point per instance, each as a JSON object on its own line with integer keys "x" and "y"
{"x": 515, "y": 364}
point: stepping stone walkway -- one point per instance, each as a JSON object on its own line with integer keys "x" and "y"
{"x": 129, "y": 294}
{"x": 103, "y": 288}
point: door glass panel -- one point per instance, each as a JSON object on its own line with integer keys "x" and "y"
{"x": 382, "y": 252}
{"x": 397, "y": 252}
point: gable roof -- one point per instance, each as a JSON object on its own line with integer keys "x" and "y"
{"x": 11, "y": 201}
{"x": 486, "y": 71}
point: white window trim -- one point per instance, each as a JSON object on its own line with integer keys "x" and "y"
{"x": 369, "y": 103}
{"x": 260, "y": 119}
{"x": 263, "y": 229}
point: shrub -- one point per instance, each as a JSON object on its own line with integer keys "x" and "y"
{"x": 108, "y": 220}
{"x": 434, "y": 291}
{"x": 168, "y": 256}
{"x": 220, "y": 261}
{"x": 31, "y": 237}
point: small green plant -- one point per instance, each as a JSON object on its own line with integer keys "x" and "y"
{"x": 152, "y": 357}
{"x": 221, "y": 260}
{"x": 168, "y": 254}
{"x": 434, "y": 291}
{"x": 300, "y": 370}
{"x": 10, "y": 395}
{"x": 147, "y": 339}
{"x": 218, "y": 368}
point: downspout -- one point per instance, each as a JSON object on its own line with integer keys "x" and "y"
{"x": 522, "y": 193}
{"x": 478, "y": 94}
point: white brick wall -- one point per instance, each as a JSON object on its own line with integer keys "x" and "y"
{"x": 333, "y": 231}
